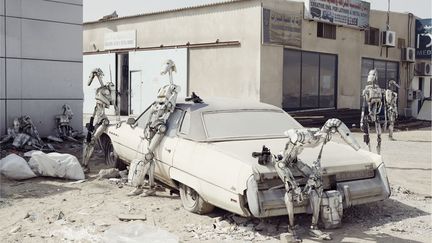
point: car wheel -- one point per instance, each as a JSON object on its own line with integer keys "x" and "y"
{"x": 193, "y": 202}
{"x": 111, "y": 158}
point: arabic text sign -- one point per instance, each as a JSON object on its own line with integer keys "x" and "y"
{"x": 351, "y": 13}
{"x": 283, "y": 29}
{"x": 423, "y": 38}
{"x": 120, "y": 40}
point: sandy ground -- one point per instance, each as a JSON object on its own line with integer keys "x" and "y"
{"x": 55, "y": 210}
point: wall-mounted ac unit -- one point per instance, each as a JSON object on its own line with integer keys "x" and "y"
{"x": 389, "y": 38}
{"x": 424, "y": 69}
{"x": 408, "y": 54}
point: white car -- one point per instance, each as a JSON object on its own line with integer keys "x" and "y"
{"x": 207, "y": 155}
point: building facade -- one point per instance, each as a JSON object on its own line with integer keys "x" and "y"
{"x": 264, "y": 50}
{"x": 40, "y": 61}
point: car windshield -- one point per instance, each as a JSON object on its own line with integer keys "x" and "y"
{"x": 240, "y": 124}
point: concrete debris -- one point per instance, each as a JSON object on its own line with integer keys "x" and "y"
{"x": 109, "y": 173}
{"x": 129, "y": 217}
{"x": 15, "y": 229}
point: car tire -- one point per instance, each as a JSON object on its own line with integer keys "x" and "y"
{"x": 193, "y": 202}
{"x": 111, "y": 158}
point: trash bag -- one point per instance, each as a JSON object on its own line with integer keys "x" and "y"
{"x": 137, "y": 232}
{"x": 15, "y": 167}
{"x": 56, "y": 165}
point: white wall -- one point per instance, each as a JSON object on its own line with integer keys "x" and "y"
{"x": 149, "y": 65}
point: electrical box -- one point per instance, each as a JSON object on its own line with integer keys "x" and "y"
{"x": 389, "y": 38}
{"x": 408, "y": 54}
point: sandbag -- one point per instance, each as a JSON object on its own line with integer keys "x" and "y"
{"x": 15, "y": 167}
{"x": 56, "y": 165}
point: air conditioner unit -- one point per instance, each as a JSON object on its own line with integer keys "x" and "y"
{"x": 408, "y": 54}
{"x": 424, "y": 69}
{"x": 389, "y": 38}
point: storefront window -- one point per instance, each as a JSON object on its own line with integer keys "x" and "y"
{"x": 309, "y": 80}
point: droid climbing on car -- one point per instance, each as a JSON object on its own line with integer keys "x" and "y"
{"x": 154, "y": 131}
{"x": 288, "y": 162}
{"x": 105, "y": 97}
{"x": 371, "y": 109}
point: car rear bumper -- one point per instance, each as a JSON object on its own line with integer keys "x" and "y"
{"x": 269, "y": 203}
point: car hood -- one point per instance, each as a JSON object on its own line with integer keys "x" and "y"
{"x": 335, "y": 157}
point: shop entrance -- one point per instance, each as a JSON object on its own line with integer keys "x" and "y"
{"x": 309, "y": 80}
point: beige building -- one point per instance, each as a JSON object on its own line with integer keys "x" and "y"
{"x": 262, "y": 50}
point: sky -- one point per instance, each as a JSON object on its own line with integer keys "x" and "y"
{"x": 95, "y": 9}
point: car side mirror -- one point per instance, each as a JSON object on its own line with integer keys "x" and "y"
{"x": 131, "y": 121}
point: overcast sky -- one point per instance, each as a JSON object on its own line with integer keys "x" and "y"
{"x": 95, "y": 9}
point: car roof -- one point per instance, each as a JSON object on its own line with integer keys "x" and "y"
{"x": 213, "y": 104}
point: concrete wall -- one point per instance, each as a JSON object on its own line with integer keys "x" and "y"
{"x": 231, "y": 71}
{"x": 40, "y": 61}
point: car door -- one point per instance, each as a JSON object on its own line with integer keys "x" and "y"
{"x": 165, "y": 151}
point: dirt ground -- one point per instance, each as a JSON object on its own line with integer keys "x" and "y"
{"x": 55, "y": 210}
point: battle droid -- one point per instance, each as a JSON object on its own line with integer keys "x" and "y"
{"x": 105, "y": 97}
{"x": 287, "y": 162}
{"x": 64, "y": 130}
{"x": 154, "y": 131}
{"x": 372, "y": 100}
{"x": 391, "y": 107}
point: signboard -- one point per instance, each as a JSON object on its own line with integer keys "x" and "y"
{"x": 282, "y": 28}
{"x": 423, "y": 38}
{"x": 350, "y": 13}
{"x": 120, "y": 40}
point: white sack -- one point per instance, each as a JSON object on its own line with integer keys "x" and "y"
{"x": 56, "y": 165}
{"x": 15, "y": 167}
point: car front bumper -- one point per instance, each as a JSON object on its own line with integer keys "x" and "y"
{"x": 267, "y": 203}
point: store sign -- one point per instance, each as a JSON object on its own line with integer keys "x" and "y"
{"x": 120, "y": 40}
{"x": 424, "y": 38}
{"x": 350, "y": 13}
{"x": 282, "y": 28}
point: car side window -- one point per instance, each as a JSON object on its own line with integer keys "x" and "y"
{"x": 173, "y": 122}
{"x": 185, "y": 126}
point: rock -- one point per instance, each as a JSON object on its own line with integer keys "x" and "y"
{"x": 239, "y": 220}
{"x": 109, "y": 173}
{"x": 60, "y": 215}
{"x": 287, "y": 238}
{"x": 261, "y": 226}
{"x": 128, "y": 217}
{"x": 15, "y": 229}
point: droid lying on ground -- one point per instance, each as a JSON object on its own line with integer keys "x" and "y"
{"x": 206, "y": 154}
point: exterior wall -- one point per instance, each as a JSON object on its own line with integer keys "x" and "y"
{"x": 349, "y": 47}
{"x": 40, "y": 61}
{"x": 272, "y": 58}
{"x": 231, "y": 71}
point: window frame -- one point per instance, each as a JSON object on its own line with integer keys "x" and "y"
{"x": 368, "y": 37}
{"x": 328, "y": 31}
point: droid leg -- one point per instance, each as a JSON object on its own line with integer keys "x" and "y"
{"x": 378, "y": 131}
{"x": 292, "y": 235}
{"x": 391, "y": 126}
{"x": 89, "y": 146}
{"x": 366, "y": 130}
{"x": 315, "y": 202}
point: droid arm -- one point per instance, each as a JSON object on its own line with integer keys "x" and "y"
{"x": 312, "y": 137}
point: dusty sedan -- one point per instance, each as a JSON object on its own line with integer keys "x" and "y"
{"x": 206, "y": 154}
